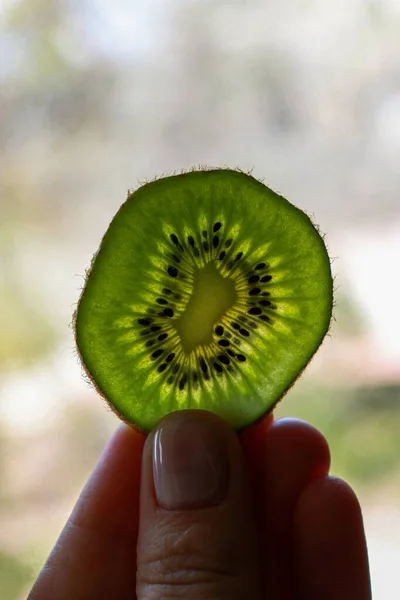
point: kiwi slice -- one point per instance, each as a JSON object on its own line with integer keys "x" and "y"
{"x": 208, "y": 291}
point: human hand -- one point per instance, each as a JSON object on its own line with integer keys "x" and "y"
{"x": 254, "y": 517}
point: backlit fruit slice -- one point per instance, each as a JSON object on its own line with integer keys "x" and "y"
{"x": 208, "y": 291}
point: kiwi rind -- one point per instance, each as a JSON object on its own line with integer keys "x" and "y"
{"x": 153, "y": 195}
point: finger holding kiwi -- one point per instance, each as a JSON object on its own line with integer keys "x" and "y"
{"x": 209, "y": 291}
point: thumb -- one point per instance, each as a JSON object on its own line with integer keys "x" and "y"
{"x": 196, "y": 534}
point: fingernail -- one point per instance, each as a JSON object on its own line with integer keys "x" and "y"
{"x": 190, "y": 462}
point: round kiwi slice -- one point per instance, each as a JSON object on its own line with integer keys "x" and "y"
{"x": 208, "y": 291}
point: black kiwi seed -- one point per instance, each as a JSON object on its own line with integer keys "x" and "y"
{"x": 231, "y": 353}
{"x": 170, "y": 379}
{"x": 253, "y": 279}
{"x": 206, "y": 246}
{"x": 204, "y": 234}
{"x": 162, "y": 337}
{"x": 155, "y": 328}
{"x": 244, "y": 332}
{"x": 170, "y": 357}
{"x": 144, "y": 322}
{"x": 175, "y": 241}
{"x": 241, "y": 357}
{"x": 176, "y": 259}
{"x": 150, "y": 343}
{"x": 196, "y": 252}
{"x": 266, "y": 318}
{"x": 173, "y": 272}
{"x": 221, "y": 255}
{"x": 235, "y": 326}
{"x": 167, "y": 312}
{"x": 215, "y": 241}
{"x": 254, "y": 291}
{"x": 161, "y": 301}
{"x": 157, "y": 353}
{"x": 224, "y": 343}
{"x": 260, "y": 266}
{"x": 217, "y": 367}
{"x": 191, "y": 240}
{"x": 167, "y": 291}
{"x": 183, "y": 381}
{"x": 265, "y": 278}
{"x": 217, "y": 227}
{"x": 176, "y": 368}
{"x": 203, "y": 365}
{"x": 265, "y": 302}
{"x": 162, "y": 367}
{"x": 228, "y": 243}
{"x": 255, "y": 311}
{"x": 224, "y": 359}
{"x": 219, "y": 330}
{"x": 238, "y": 256}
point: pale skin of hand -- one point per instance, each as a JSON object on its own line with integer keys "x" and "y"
{"x": 281, "y": 529}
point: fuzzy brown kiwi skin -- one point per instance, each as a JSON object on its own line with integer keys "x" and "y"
{"x": 86, "y": 373}
{"x": 88, "y": 376}
{"x": 300, "y": 373}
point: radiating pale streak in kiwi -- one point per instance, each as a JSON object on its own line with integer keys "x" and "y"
{"x": 124, "y": 322}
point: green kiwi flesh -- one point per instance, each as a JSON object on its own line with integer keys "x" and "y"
{"x": 208, "y": 291}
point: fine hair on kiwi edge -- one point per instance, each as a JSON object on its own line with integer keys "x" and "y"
{"x": 214, "y": 245}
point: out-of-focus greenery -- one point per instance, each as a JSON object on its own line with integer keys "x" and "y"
{"x": 26, "y": 332}
{"x": 361, "y": 425}
{"x": 15, "y": 574}
{"x": 346, "y": 318}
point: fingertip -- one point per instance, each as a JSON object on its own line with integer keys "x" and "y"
{"x": 286, "y": 440}
{"x": 180, "y": 437}
{"x": 330, "y": 542}
{"x": 294, "y": 436}
{"x": 127, "y": 433}
{"x": 195, "y": 498}
{"x": 290, "y": 454}
{"x": 329, "y": 504}
{"x": 332, "y": 491}
{"x": 326, "y": 502}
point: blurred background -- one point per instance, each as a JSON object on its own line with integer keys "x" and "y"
{"x": 99, "y": 96}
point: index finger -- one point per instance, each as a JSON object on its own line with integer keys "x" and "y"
{"x": 95, "y": 555}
